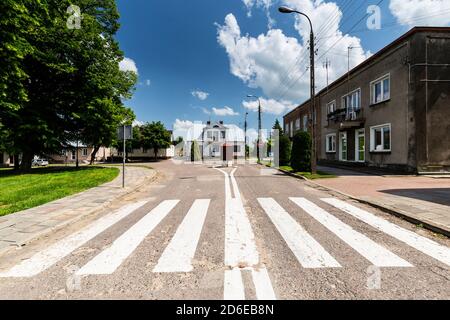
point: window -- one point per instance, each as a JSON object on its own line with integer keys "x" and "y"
{"x": 222, "y": 134}
{"x": 237, "y": 148}
{"x": 85, "y": 152}
{"x": 331, "y": 143}
{"x": 380, "y": 138}
{"x": 331, "y": 107}
{"x": 73, "y": 155}
{"x": 291, "y": 129}
{"x": 305, "y": 123}
{"x": 352, "y": 103}
{"x": 297, "y": 124}
{"x": 209, "y": 135}
{"x": 286, "y": 128}
{"x": 380, "y": 90}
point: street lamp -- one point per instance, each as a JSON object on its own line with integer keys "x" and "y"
{"x": 245, "y": 135}
{"x": 313, "y": 93}
{"x": 259, "y": 126}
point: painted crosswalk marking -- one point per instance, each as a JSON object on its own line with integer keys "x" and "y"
{"x": 427, "y": 246}
{"x": 309, "y": 253}
{"x": 375, "y": 253}
{"x": 48, "y": 257}
{"x": 233, "y": 285}
{"x": 178, "y": 255}
{"x": 111, "y": 258}
{"x": 241, "y": 252}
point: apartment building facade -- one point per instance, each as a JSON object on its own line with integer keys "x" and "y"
{"x": 391, "y": 111}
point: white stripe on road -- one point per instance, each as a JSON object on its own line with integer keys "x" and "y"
{"x": 378, "y": 255}
{"x": 306, "y": 249}
{"x": 111, "y": 258}
{"x": 45, "y": 259}
{"x": 233, "y": 285}
{"x": 240, "y": 246}
{"x": 427, "y": 246}
{"x": 263, "y": 285}
{"x": 178, "y": 255}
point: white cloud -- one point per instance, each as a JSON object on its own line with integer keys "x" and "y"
{"x": 270, "y": 106}
{"x": 206, "y": 111}
{"x": 181, "y": 125}
{"x": 200, "y": 95}
{"x": 421, "y": 12}
{"x": 128, "y": 64}
{"x": 148, "y": 82}
{"x": 224, "y": 112}
{"x": 278, "y": 64}
{"x": 265, "y": 4}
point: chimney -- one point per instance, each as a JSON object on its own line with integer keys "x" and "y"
{"x": 208, "y": 123}
{"x": 221, "y": 122}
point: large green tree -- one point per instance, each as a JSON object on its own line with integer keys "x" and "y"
{"x": 155, "y": 136}
{"x": 70, "y": 78}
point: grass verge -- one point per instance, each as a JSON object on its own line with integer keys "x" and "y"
{"x": 23, "y": 191}
{"x": 309, "y": 175}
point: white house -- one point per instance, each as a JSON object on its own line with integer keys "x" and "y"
{"x": 216, "y": 141}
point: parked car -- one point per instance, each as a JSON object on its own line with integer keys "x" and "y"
{"x": 40, "y": 162}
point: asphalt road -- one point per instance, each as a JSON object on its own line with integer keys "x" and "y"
{"x": 233, "y": 233}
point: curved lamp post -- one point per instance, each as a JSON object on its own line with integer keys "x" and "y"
{"x": 313, "y": 94}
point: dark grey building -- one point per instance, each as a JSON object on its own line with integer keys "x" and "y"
{"x": 392, "y": 110}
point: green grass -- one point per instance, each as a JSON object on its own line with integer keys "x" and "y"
{"x": 308, "y": 175}
{"x": 23, "y": 191}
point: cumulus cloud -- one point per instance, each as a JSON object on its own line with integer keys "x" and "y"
{"x": 181, "y": 125}
{"x": 421, "y": 12}
{"x": 270, "y": 106}
{"x": 265, "y": 4}
{"x": 224, "y": 112}
{"x": 279, "y": 64}
{"x": 200, "y": 95}
{"x": 128, "y": 64}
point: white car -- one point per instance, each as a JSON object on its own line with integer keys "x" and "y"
{"x": 40, "y": 162}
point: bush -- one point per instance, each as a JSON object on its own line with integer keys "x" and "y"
{"x": 301, "y": 152}
{"x": 285, "y": 150}
{"x": 195, "y": 152}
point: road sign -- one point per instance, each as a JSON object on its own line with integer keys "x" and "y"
{"x": 128, "y": 133}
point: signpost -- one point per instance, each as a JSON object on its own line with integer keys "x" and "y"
{"x": 124, "y": 133}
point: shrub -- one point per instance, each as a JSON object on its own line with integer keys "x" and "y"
{"x": 195, "y": 152}
{"x": 285, "y": 150}
{"x": 301, "y": 152}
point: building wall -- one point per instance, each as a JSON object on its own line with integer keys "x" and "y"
{"x": 431, "y": 100}
{"x": 83, "y": 156}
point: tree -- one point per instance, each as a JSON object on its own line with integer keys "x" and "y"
{"x": 278, "y": 127}
{"x": 195, "y": 151}
{"x": 301, "y": 152}
{"x": 155, "y": 136}
{"x": 69, "y": 78}
{"x": 285, "y": 150}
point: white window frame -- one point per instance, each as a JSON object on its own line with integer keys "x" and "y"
{"x": 344, "y": 98}
{"x": 372, "y": 89}
{"x": 291, "y": 129}
{"x": 372, "y": 138}
{"x": 286, "y": 128}
{"x": 331, "y": 103}
{"x": 327, "y": 143}
{"x": 73, "y": 155}
{"x": 84, "y": 152}
{"x": 297, "y": 124}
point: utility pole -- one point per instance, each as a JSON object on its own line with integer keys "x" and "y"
{"x": 312, "y": 112}
{"x": 327, "y": 65}
{"x": 124, "y": 152}
{"x": 259, "y": 130}
{"x": 245, "y": 133}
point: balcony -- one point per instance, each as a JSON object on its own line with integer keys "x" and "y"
{"x": 346, "y": 118}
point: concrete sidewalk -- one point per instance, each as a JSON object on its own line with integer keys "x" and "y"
{"x": 421, "y": 200}
{"x": 23, "y": 227}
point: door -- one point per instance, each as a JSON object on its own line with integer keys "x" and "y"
{"x": 343, "y": 146}
{"x": 360, "y": 145}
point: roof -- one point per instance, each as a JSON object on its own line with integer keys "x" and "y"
{"x": 374, "y": 57}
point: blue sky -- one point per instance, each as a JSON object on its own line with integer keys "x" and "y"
{"x": 175, "y": 47}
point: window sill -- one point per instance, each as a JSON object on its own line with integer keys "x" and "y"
{"x": 330, "y": 152}
{"x": 382, "y": 151}
{"x": 379, "y": 103}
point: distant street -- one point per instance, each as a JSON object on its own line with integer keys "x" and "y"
{"x": 231, "y": 233}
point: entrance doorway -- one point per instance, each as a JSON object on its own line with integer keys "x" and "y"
{"x": 343, "y": 145}
{"x": 360, "y": 145}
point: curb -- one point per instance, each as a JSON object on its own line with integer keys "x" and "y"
{"x": 395, "y": 212}
{"x": 94, "y": 211}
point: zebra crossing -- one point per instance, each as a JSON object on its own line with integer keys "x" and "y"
{"x": 241, "y": 251}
